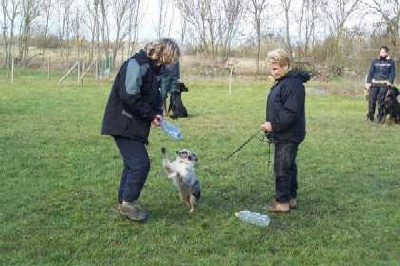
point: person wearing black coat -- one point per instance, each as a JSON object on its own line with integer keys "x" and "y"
{"x": 285, "y": 126}
{"x": 134, "y": 104}
{"x": 381, "y": 75}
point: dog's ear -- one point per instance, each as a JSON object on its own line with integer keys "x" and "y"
{"x": 194, "y": 157}
{"x": 182, "y": 87}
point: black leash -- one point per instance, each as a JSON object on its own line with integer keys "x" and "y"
{"x": 269, "y": 138}
{"x": 269, "y": 152}
{"x": 244, "y": 144}
{"x": 264, "y": 139}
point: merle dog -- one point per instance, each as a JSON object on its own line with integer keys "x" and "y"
{"x": 176, "y": 104}
{"x": 182, "y": 174}
{"x": 391, "y": 106}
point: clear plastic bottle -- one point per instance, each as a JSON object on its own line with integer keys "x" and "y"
{"x": 254, "y": 218}
{"x": 171, "y": 129}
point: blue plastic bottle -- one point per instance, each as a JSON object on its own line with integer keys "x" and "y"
{"x": 171, "y": 130}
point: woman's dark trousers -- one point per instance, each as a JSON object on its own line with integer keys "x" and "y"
{"x": 135, "y": 170}
{"x": 376, "y": 95}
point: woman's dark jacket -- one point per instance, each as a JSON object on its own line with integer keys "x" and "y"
{"x": 134, "y": 99}
{"x": 285, "y": 107}
{"x": 382, "y": 69}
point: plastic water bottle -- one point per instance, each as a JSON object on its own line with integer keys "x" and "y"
{"x": 171, "y": 130}
{"x": 254, "y": 218}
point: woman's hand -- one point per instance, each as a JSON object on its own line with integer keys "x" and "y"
{"x": 157, "y": 120}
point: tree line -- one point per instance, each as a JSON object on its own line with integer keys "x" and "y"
{"x": 322, "y": 31}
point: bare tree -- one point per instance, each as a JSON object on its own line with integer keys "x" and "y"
{"x": 30, "y": 11}
{"x": 91, "y": 22}
{"x": 126, "y": 15}
{"x": 202, "y": 16}
{"x": 257, "y": 8}
{"x": 11, "y": 10}
{"x": 233, "y": 10}
{"x": 124, "y": 23}
{"x": 47, "y": 4}
{"x": 184, "y": 27}
{"x": 286, "y": 8}
{"x": 135, "y": 18}
{"x": 120, "y": 11}
{"x": 165, "y": 18}
{"x": 118, "y": 28}
{"x": 105, "y": 26}
{"x": 211, "y": 12}
{"x": 64, "y": 28}
{"x": 97, "y": 35}
{"x": 306, "y": 25}
{"x": 389, "y": 11}
{"x": 213, "y": 23}
{"x": 76, "y": 25}
{"x": 337, "y": 13}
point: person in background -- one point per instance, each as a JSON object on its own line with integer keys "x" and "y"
{"x": 134, "y": 104}
{"x": 381, "y": 74}
{"x": 285, "y": 126}
{"x": 170, "y": 75}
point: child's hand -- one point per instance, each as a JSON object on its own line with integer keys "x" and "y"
{"x": 266, "y": 127}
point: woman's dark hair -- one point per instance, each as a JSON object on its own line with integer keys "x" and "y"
{"x": 385, "y": 48}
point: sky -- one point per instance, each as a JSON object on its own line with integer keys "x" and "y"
{"x": 150, "y": 9}
{"x": 150, "y": 19}
{"x": 172, "y": 17}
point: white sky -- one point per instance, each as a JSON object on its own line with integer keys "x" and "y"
{"x": 171, "y": 18}
{"x": 148, "y": 29}
{"x": 149, "y": 26}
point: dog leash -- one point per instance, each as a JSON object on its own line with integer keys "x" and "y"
{"x": 264, "y": 139}
{"x": 268, "y": 139}
{"x": 244, "y": 144}
{"x": 269, "y": 152}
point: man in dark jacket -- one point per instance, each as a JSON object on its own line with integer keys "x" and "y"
{"x": 133, "y": 105}
{"x": 381, "y": 74}
{"x": 285, "y": 126}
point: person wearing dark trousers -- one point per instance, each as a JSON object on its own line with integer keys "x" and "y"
{"x": 285, "y": 126}
{"x": 134, "y": 104}
{"x": 381, "y": 74}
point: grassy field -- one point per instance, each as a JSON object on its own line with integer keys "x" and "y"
{"x": 60, "y": 177}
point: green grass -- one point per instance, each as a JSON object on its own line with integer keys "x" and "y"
{"x": 60, "y": 178}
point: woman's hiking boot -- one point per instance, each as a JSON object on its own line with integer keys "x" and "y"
{"x": 132, "y": 211}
